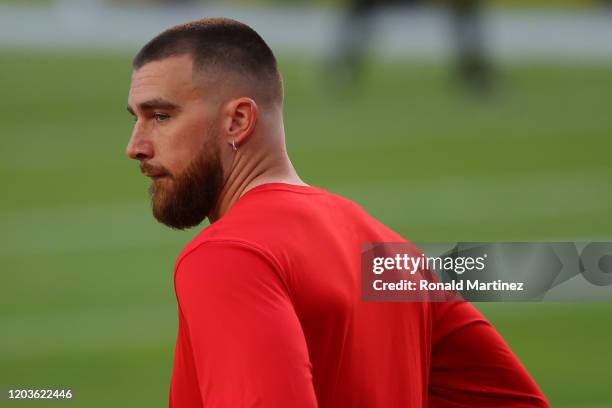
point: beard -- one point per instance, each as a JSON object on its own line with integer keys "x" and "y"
{"x": 183, "y": 200}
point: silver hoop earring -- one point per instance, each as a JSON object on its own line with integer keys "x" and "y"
{"x": 234, "y": 145}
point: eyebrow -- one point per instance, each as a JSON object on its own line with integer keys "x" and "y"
{"x": 155, "y": 103}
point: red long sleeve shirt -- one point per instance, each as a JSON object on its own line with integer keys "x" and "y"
{"x": 270, "y": 315}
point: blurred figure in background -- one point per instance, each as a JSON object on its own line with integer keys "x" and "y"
{"x": 471, "y": 65}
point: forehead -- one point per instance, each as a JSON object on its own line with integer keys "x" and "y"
{"x": 170, "y": 78}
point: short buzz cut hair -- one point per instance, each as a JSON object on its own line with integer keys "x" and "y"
{"x": 219, "y": 43}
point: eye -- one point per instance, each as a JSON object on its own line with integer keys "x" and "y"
{"x": 161, "y": 117}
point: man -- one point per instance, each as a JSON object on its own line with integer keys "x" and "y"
{"x": 270, "y": 313}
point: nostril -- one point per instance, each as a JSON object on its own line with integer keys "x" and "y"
{"x": 140, "y": 156}
{"x": 131, "y": 153}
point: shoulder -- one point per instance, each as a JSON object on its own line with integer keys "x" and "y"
{"x": 222, "y": 264}
{"x": 220, "y": 252}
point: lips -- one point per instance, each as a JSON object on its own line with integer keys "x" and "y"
{"x": 154, "y": 175}
{"x": 152, "y": 172}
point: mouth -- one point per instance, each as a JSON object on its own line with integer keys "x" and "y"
{"x": 154, "y": 174}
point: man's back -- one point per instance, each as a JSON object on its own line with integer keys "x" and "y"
{"x": 270, "y": 314}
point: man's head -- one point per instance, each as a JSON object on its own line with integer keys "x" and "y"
{"x": 198, "y": 90}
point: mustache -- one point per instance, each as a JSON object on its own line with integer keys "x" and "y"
{"x": 150, "y": 170}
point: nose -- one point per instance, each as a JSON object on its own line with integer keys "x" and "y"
{"x": 139, "y": 147}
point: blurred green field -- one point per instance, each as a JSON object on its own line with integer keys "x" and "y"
{"x": 87, "y": 300}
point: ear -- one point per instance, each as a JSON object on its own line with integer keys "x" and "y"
{"x": 240, "y": 120}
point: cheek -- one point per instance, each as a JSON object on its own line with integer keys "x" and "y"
{"x": 181, "y": 143}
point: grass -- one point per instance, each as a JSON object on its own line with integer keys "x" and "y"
{"x": 86, "y": 272}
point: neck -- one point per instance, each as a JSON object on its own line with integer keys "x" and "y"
{"x": 249, "y": 171}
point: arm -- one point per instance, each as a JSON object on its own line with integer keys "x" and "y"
{"x": 247, "y": 343}
{"x": 472, "y": 366}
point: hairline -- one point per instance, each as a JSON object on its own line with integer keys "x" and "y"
{"x": 215, "y": 75}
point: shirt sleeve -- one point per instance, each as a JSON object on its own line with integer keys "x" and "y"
{"x": 247, "y": 342}
{"x": 472, "y": 366}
